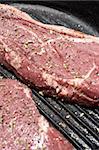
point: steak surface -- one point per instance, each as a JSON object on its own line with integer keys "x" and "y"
{"x": 57, "y": 60}
{"x": 21, "y": 125}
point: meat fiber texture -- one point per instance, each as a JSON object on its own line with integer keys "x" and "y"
{"x": 21, "y": 125}
{"x": 59, "y": 61}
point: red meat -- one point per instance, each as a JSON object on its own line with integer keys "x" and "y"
{"x": 57, "y": 60}
{"x": 21, "y": 125}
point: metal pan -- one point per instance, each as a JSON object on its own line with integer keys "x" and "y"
{"x": 80, "y": 125}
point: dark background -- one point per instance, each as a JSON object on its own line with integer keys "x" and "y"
{"x": 86, "y": 10}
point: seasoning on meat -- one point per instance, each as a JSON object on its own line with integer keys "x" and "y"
{"x": 50, "y": 57}
{"x": 21, "y": 125}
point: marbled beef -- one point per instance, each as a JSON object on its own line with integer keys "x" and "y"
{"x": 57, "y": 60}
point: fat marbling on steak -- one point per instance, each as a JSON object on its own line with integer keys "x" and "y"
{"x": 21, "y": 125}
{"x": 57, "y": 60}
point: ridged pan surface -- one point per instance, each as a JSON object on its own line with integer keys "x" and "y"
{"x": 80, "y": 125}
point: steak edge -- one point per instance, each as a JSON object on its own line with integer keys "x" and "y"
{"x": 57, "y": 60}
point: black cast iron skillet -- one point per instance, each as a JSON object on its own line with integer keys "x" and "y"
{"x": 80, "y": 125}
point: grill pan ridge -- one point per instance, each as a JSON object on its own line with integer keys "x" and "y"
{"x": 80, "y": 125}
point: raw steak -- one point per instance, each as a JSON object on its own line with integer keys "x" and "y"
{"x": 21, "y": 125}
{"x": 57, "y": 60}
